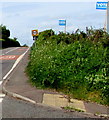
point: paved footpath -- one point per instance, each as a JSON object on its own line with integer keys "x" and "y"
{"x": 17, "y": 85}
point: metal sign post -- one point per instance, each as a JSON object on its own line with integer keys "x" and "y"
{"x": 108, "y": 17}
{"x": 62, "y": 23}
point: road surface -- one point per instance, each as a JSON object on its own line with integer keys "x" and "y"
{"x": 8, "y": 57}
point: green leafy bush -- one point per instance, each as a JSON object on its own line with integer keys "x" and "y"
{"x": 76, "y": 64}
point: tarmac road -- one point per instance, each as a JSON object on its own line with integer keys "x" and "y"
{"x": 8, "y": 58}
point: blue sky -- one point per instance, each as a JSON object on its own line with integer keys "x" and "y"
{"x": 22, "y": 17}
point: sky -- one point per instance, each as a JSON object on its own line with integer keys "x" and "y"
{"x": 23, "y": 16}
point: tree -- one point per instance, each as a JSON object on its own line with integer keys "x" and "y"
{"x": 5, "y": 40}
{"x": 5, "y": 32}
{"x": 15, "y": 38}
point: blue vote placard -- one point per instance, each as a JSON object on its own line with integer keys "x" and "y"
{"x": 101, "y": 5}
{"x": 62, "y": 22}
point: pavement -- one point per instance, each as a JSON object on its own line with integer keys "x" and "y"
{"x": 17, "y": 85}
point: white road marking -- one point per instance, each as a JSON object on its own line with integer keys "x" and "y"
{"x": 10, "y": 51}
{"x": 2, "y": 95}
{"x": 15, "y": 64}
{"x": 1, "y": 99}
{"x": 1, "y": 82}
{"x": 9, "y": 57}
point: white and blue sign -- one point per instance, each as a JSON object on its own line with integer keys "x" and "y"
{"x": 101, "y": 5}
{"x": 62, "y": 22}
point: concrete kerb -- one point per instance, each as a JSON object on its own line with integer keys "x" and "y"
{"x": 42, "y": 104}
{"x": 5, "y": 91}
{"x": 12, "y": 94}
{"x": 17, "y": 96}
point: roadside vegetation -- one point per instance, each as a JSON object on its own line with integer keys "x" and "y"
{"x": 76, "y": 64}
{"x": 5, "y": 41}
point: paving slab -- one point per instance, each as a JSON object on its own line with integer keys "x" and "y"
{"x": 55, "y": 100}
{"x": 61, "y": 101}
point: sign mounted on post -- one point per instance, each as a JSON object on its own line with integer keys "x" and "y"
{"x": 101, "y": 5}
{"x": 34, "y": 32}
{"x": 62, "y": 22}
